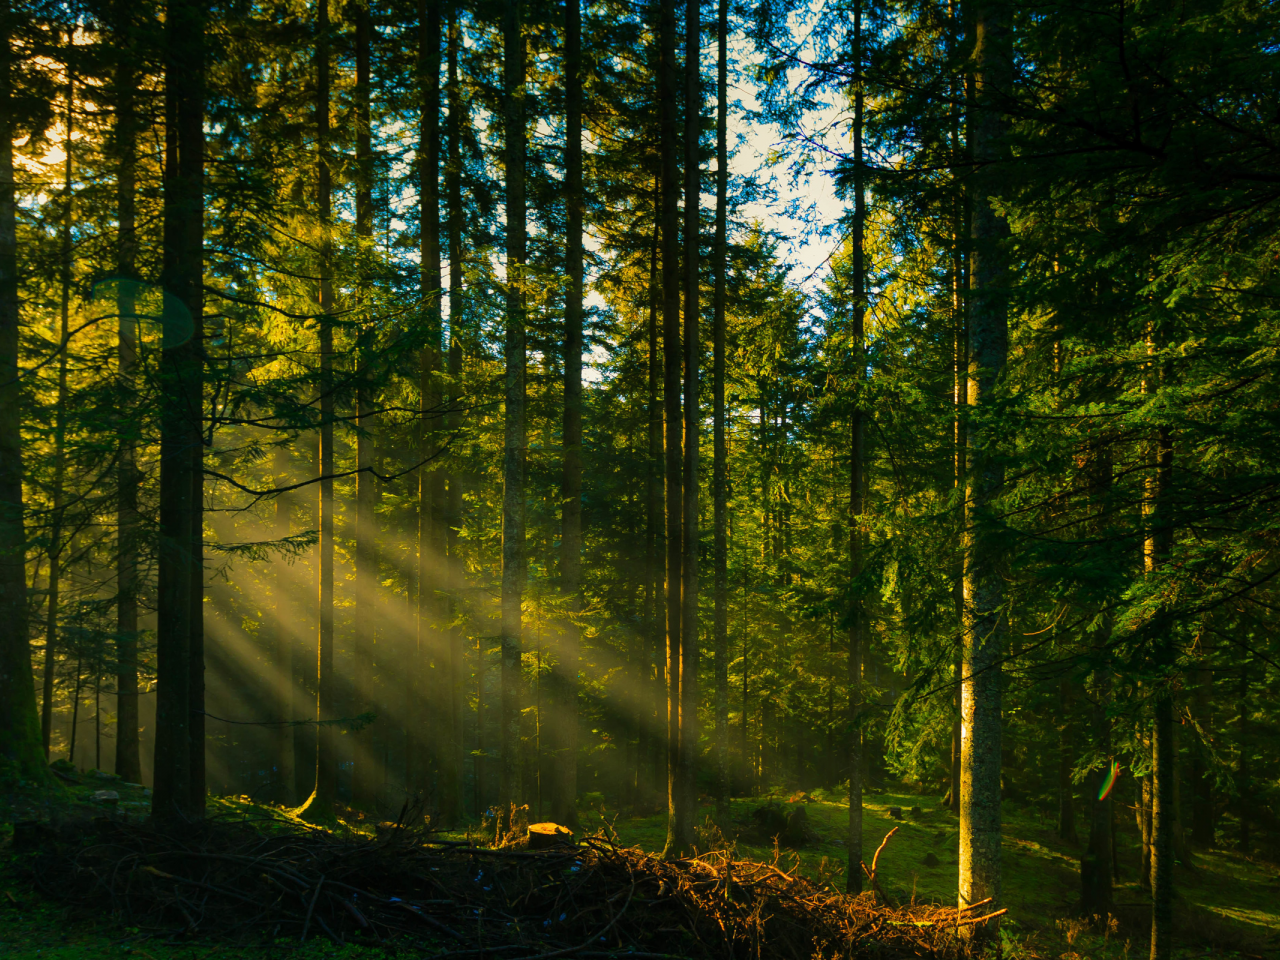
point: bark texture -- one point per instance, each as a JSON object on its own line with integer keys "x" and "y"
{"x": 128, "y": 759}
{"x": 857, "y": 478}
{"x": 720, "y": 471}
{"x": 1164, "y": 816}
{"x": 451, "y": 786}
{"x": 319, "y": 807}
{"x": 19, "y": 722}
{"x": 980, "y": 854}
{"x": 515, "y": 436}
{"x": 366, "y": 773}
{"x": 668, "y": 75}
{"x": 564, "y": 809}
{"x": 180, "y": 424}
{"x": 687, "y": 795}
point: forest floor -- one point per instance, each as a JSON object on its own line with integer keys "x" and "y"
{"x": 1228, "y": 904}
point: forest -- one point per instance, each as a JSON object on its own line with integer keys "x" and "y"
{"x": 540, "y": 410}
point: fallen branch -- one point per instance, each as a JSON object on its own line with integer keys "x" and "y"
{"x": 310, "y": 910}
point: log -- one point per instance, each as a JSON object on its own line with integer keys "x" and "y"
{"x": 543, "y": 836}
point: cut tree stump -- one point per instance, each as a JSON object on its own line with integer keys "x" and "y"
{"x": 543, "y": 836}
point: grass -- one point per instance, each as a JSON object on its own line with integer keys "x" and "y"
{"x": 1228, "y": 905}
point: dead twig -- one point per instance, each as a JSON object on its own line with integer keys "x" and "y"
{"x": 310, "y": 910}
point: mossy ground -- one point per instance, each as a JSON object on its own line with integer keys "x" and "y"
{"x": 1229, "y": 905}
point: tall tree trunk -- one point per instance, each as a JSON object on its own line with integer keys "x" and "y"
{"x": 676, "y": 844}
{"x": 284, "y": 654}
{"x": 57, "y": 517}
{"x": 1157, "y": 548}
{"x": 516, "y": 438}
{"x": 1243, "y": 786}
{"x": 421, "y": 679}
{"x": 97, "y": 721}
{"x": 1203, "y": 825}
{"x": 1095, "y": 865}
{"x": 980, "y": 853}
{"x": 1144, "y": 823}
{"x": 720, "y": 470}
{"x": 195, "y": 626}
{"x": 128, "y": 759}
{"x": 180, "y": 407}
{"x": 1066, "y": 762}
{"x": 19, "y": 723}
{"x": 319, "y": 806}
{"x": 430, "y": 480}
{"x": 857, "y": 469}
{"x": 960, "y": 380}
{"x": 75, "y": 710}
{"x": 451, "y": 806}
{"x": 655, "y": 754}
{"x": 565, "y": 728}
{"x": 687, "y": 808}
{"x": 366, "y": 772}
{"x": 1162, "y": 816}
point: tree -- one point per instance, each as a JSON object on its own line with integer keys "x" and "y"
{"x": 19, "y": 725}
{"x": 128, "y": 759}
{"x": 677, "y": 840}
{"x": 720, "y": 479}
{"x": 980, "y": 841}
{"x": 181, "y": 412}
{"x": 319, "y": 806}
{"x": 692, "y": 250}
{"x": 515, "y": 447}
{"x": 857, "y": 469}
{"x": 564, "y": 806}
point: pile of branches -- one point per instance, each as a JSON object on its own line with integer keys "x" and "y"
{"x": 446, "y": 899}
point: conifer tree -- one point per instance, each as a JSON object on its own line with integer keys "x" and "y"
{"x": 515, "y": 429}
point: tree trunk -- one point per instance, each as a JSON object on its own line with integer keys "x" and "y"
{"x": 1243, "y": 786}
{"x": 1066, "y": 761}
{"x": 719, "y": 478}
{"x": 980, "y": 855}
{"x": 1162, "y": 815}
{"x": 1157, "y": 549}
{"x": 180, "y": 407}
{"x": 20, "y": 742}
{"x": 961, "y": 226}
{"x": 195, "y": 626}
{"x": 676, "y": 843}
{"x": 565, "y": 727}
{"x": 319, "y": 807}
{"x": 365, "y": 772}
{"x": 654, "y": 707}
{"x": 451, "y": 805}
{"x": 857, "y": 479}
{"x": 57, "y": 515}
{"x": 1203, "y": 817}
{"x": 283, "y": 656}
{"x": 128, "y": 760}
{"x": 432, "y": 487}
{"x": 1144, "y": 827}
{"x": 1095, "y": 865}
{"x": 75, "y": 710}
{"x": 957, "y": 739}
{"x": 687, "y": 801}
{"x": 515, "y": 438}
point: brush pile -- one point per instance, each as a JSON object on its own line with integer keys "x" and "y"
{"x": 445, "y": 899}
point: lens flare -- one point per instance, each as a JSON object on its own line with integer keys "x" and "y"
{"x": 1109, "y": 782}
